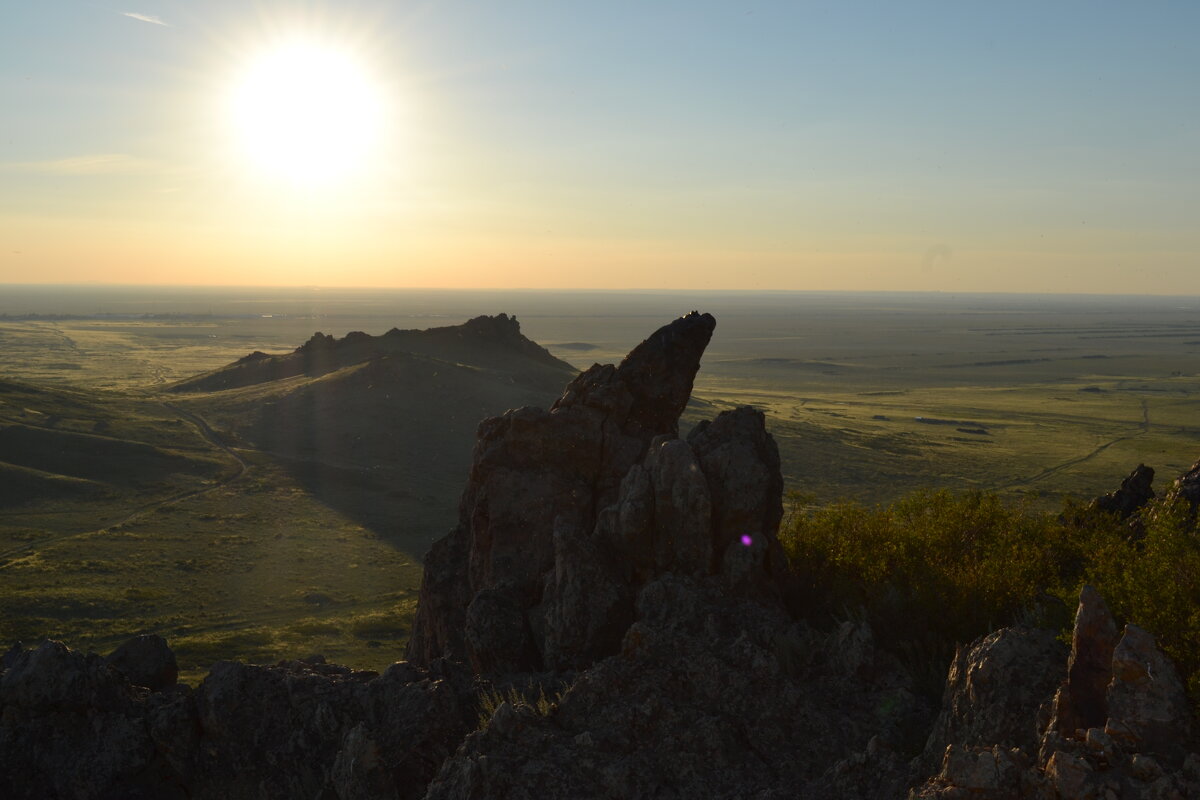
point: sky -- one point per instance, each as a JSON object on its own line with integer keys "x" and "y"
{"x": 952, "y": 146}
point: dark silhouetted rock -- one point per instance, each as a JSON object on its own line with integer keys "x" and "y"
{"x": 1135, "y": 492}
{"x": 72, "y": 726}
{"x": 740, "y": 461}
{"x": 535, "y": 470}
{"x": 699, "y": 702}
{"x": 313, "y": 730}
{"x": 146, "y": 661}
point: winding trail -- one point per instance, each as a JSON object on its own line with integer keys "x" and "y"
{"x": 8, "y": 557}
{"x": 1049, "y": 471}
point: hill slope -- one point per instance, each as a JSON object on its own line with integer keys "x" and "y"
{"x": 364, "y": 422}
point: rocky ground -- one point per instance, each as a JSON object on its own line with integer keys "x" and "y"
{"x": 620, "y": 596}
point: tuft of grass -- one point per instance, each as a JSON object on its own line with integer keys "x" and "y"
{"x": 491, "y": 699}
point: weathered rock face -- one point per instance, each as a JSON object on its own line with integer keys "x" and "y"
{"x": 69, "y": 722}
{"x": 1120, "y": 726}
{"x": 536, "y": 470}
{"x": 709, "y": 696}
{"x": 1135, "y": 492}
{"x": 310, "y": 730}
{"x": 740, "y": 461}
{"x": 1148, "y": 709}
{"x": 73, "y": 726}
{"x": 994, "y": 690}
{"x": 1080, "y": 702}
{"x": 1187, "y": 487}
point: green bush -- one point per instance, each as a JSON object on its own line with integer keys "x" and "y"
{"x": 1154, "y": 582}
{"x": 937, "y": 569}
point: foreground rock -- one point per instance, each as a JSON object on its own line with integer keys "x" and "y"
{"x": 1119, "y": 726}
{"x": 708, "y": 697}
{"x": 994, "y": 691}
{"x": 72, "y": 726}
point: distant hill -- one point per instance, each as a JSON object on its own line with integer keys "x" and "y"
{"x": 369, "y": 422}
{"x": 493, "y": 343}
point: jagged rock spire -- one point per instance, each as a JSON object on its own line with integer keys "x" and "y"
{"x": 568, "y": 511}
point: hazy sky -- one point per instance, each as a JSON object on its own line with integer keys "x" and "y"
{"x": 958, "y": 145}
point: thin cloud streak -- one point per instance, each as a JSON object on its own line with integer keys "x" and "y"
{"x": 153, "y": 20}
{"x": 95, "y": 164}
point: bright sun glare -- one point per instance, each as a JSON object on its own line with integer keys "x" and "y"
{"x": 306, "y": 113}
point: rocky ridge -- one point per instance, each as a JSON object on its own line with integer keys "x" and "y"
{"x": 487, "y": 342}
{"x": 634, "y": 580}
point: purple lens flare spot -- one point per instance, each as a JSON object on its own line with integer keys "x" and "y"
{"x": 746, "y": 540}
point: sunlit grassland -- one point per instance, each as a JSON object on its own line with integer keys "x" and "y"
{"x": 1077, "y": 437}
{"x": 255, "y": 570}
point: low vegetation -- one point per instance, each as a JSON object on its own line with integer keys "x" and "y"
{"x": 492, "y": 699}
{"x": 936, "y": 569}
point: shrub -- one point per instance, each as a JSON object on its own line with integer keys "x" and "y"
{"x": 937, "y": 569}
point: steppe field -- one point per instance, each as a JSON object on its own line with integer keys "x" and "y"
{"x": 125, "y": 508}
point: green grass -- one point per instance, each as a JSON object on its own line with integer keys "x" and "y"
{"x": 491, "y": 699}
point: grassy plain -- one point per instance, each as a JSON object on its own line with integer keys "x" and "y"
{"x": 237, "y": 552}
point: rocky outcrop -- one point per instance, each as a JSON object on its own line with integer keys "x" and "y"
{"x": 1134, "y": 494}
{"x": 709, "y": 696}
{"x": 310, "y": 729}
{"x": 1187, "y": 488}
{"x": 73, "y": 726}
{"x": 146, "y": 661}
{"x": 1081, "y": 702}
{"x": 1148, "y": 709}
{"x": 535, "y": 472}
{"x": 993, "y": 693}
{"x": 1119, "y": 726}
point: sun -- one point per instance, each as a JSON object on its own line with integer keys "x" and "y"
{"x": 306, "y": 113}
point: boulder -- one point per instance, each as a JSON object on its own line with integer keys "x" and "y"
{"x": 993, "y": 692}
{"x": 1144, "y": 750}
{"x": 146, "y": 661}
{"x": 1148, "y": 708}
{"x": 1135, "y": 492}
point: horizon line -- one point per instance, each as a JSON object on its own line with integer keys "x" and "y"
{"x": 582, "y": 290}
